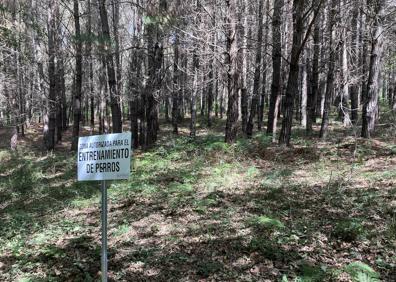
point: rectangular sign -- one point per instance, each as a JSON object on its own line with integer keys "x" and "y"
{"x": 104, "y": 157}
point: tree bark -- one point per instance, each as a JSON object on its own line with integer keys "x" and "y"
{"x": 243, "y": 77}
{"x": 276, "y": 67}
{"x": 78, "y": 78}
{"x": 135, "y": 72}
{"x": 211, "y": 70}
{"x": 61, "y": 98}
{"x": 176, "y": 86}
{"x": 330, "y": 73}
{"x": 344, "y": 91}
{"x": 151, "y": 92}
{"x": 394, "y": 99}
{"x": 304, "y": 90}
{"x": 116, "y": 19}
{"x": 193, "y": 106}
{"x": 264, "y": 76}
{"x": 50, "y": 117}
{"x": 114, "y": 95}
{"x": 256, "y": 80}
{"x": 90, "y": 66}
{"x": 313, "y": 94}
{"x": 222, "y": 95}
{"x": 370, "y": 103}
{"x": 354, "y": 87}
{"x": 363, "y": 56}
{"x": 232, "y": 72}
{"x": 292, "y": 83}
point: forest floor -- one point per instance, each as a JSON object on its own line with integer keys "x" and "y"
{"x": 203, "y": 210}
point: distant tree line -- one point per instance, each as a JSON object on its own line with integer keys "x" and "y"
{"x": 259, "y": 64}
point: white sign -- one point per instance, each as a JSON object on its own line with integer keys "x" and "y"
{"x": 104, "y": 157}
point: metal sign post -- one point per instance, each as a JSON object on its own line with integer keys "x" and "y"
{"x": 104, "y": 232}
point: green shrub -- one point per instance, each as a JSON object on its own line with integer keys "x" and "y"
{"x": 309, "y": 273}
{"x": 24, "y": 178}
{"x": 202, "y": 205}
{"x": 252, "y": 172}
{"x": 361, "y": 272}
{"x": 265, "y": 223}
{"x": 207, "y": 268}
{"x": 218, "y": 146}
{"x": 267, "y": 248}
{"x": 243, "y": 146}
{"x": 264, "y": 139}
{"x": 348, "y": 230}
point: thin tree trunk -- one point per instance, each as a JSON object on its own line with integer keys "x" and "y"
{"x": 114, "y": 95}
{"x": 244, "y": 54}
{"x": 78, "y": 85}
{"x": 314, "y": 93}
{"x": 363, "y": 57}
{"x": 354, "y": 87}
{"x": 103, "y": 126}
{"x": 394, "y": 99}
{"x": 216, "y": 98}
{"x": 210, "y": 96}
{"x": 256, "y": 80}
{"x": 304, "y": 91}
{"x": 264, "y": 76}
{"x": 50, "y": 115}
{"x": 344, "y": 93}
{"x": 116, "y": 18}
{"x": 370, "y": 103}
{"x": 330, "y": 73}
{"x": 211, "y": 72}
{"x": 276, "y": 66}
{"x": 202, "y": 98}
{"x": 155, "y": 63}
{"x": 90, "y": 70}
{"x": 183, "y": 84}
{"x": 193, "y": 109}
{"x": 392, "y": 90}
{"x": 134, "y": 102}
{"x": 232, "y": 72}
{"x": 167, "y": 106}
{"x": 61, "y": 98}
{"x": 176, "y": 87}
{"x": 222, "y": 95}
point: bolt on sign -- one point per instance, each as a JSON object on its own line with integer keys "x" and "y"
{"x": 104, "y": 157}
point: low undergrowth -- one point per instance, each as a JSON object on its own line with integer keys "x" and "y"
{"x": 202, "y": 209}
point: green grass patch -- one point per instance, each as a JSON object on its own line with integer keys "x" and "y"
{"x": 122, "y": 229}
{"x": 361, "y": 272}
{"x": 263, "y": 222}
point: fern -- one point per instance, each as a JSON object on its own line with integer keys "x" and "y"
{"x": 361, "y": 272}
{"x": 267, "y": 222}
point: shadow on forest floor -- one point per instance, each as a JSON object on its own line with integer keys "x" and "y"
{"x": 203, "y": 209}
